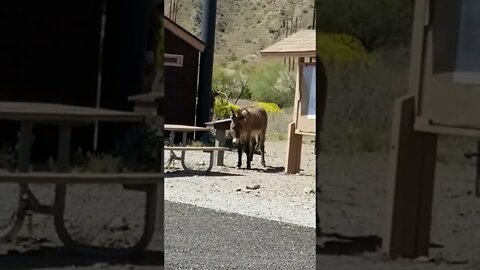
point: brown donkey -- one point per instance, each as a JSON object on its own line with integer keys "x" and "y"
{"x": 247, "y": 124}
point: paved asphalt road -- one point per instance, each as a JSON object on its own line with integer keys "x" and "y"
{"x": 201, "y": 238}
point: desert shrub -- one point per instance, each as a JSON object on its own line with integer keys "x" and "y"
{"x": 269, "y": 107}
{"x": 341, "y": 48}
{"x": 231, "y": 82}
{"x": 98, "y": 163}
{"x": 8, "y": 156}
{"x": 222, "y": 108}
{"x": 375, "y": 23}
{"x": 272, "y": 83}
{"x": 360, "y": 102}
{"x": 141, "y": 149}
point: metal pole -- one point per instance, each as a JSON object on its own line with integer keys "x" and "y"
{"x": 206, "y": 62}
{"x": 99, "y": 82}
{"x": 477, "y": 178}
{"x": 469, "y": 155}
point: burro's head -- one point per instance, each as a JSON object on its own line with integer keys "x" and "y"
{"x": 238, "y": 125}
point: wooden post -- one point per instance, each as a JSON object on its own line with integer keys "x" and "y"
{"x": 410, "y": 185}
{"x": 219, "y": 142}
{"x": 25, "y": 146}
{"x": 63, "y": 158}
{"x": 294, "y": 150}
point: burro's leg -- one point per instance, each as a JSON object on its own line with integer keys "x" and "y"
{"x": 253, "y": 143}
{"x": 240, "y": 149}
{"x": 261, "y": 141}
{"x": 247, "y": 148}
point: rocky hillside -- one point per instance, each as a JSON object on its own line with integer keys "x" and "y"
{"x": 245, "y": 26}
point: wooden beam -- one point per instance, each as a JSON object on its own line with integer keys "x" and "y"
{"x": 294, "y": 151}
{"x": 410, "y": 185}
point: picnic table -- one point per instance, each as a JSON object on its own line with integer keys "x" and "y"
{"x": 66, "y": 117}
{"x": 221, "y": 127}
{"x": 185, "y": 129}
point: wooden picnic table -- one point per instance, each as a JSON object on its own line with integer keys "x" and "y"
{"x": 66, "y": 117}
{"x": 185, "y": 129}
{"x": 221, "y": 127}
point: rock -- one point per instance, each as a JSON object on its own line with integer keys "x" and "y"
{"x": 13, "y": 252}
{"x": 100, "y": 265}
{"x": 201, "y": 163}
{"x": 308, "y": 190}
{"x": 423, "y": 259}
{"x": 253, "y": 187}
{"x": 117, "y": 224}
{"x": 238, "y": 189}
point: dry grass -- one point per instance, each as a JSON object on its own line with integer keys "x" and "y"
{"x": 278, "y": 125}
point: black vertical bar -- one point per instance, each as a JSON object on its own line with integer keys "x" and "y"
{"x": 477, "y": 180}
{"x": 206, "y": 62}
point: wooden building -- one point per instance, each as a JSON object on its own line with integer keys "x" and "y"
{"x": 51, "y": 52}
{"x": 182, "y": 61}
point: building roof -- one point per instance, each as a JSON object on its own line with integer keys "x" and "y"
{"x": 184, "y": 34}
{"x": 300, "y": 44}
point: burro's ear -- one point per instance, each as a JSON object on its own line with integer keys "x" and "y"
{"x": 232, "y": 114}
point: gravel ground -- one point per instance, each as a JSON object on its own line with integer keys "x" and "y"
{"x": 281, "y": 197}
{"x": 100, "y": 214}
{"x": 103, "y": 215}
{"x": 353, "y": 219}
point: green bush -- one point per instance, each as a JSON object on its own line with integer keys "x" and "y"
{"x": 272, "y": 83}
{"x": 269, "y": 107}
{"x": 141, "y": 149}
{"x": 341, "y": 48}
{"x": 375, "y": 23}
{"x": 231, "y": 82}
{"x": 222, "y": 108}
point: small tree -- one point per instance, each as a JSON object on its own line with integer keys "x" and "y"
{"x": 231, "y": 83}
{"x": 273, "y": 83}
{"x": 375, "y": 23}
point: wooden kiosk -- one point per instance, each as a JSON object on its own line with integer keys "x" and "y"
{"x": 443, "y": 96}
{"x": 301, "y": 46}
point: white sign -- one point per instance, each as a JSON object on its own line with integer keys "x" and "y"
{"x": 309, "y": 79}
{"x": 467, "y": 68}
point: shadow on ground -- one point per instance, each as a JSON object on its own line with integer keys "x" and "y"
{"x": 210, "y": 174}
{"x": 270, "y": 169}
{"x": 267, "y": 169}
{"x": 352, "y": 245}
{"x": 348, "y": 245}
{"x": 48, "y": 257}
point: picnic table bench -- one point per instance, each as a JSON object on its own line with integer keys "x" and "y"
{"x": 183, "y": 148}
{"x": 66, "y": 117}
